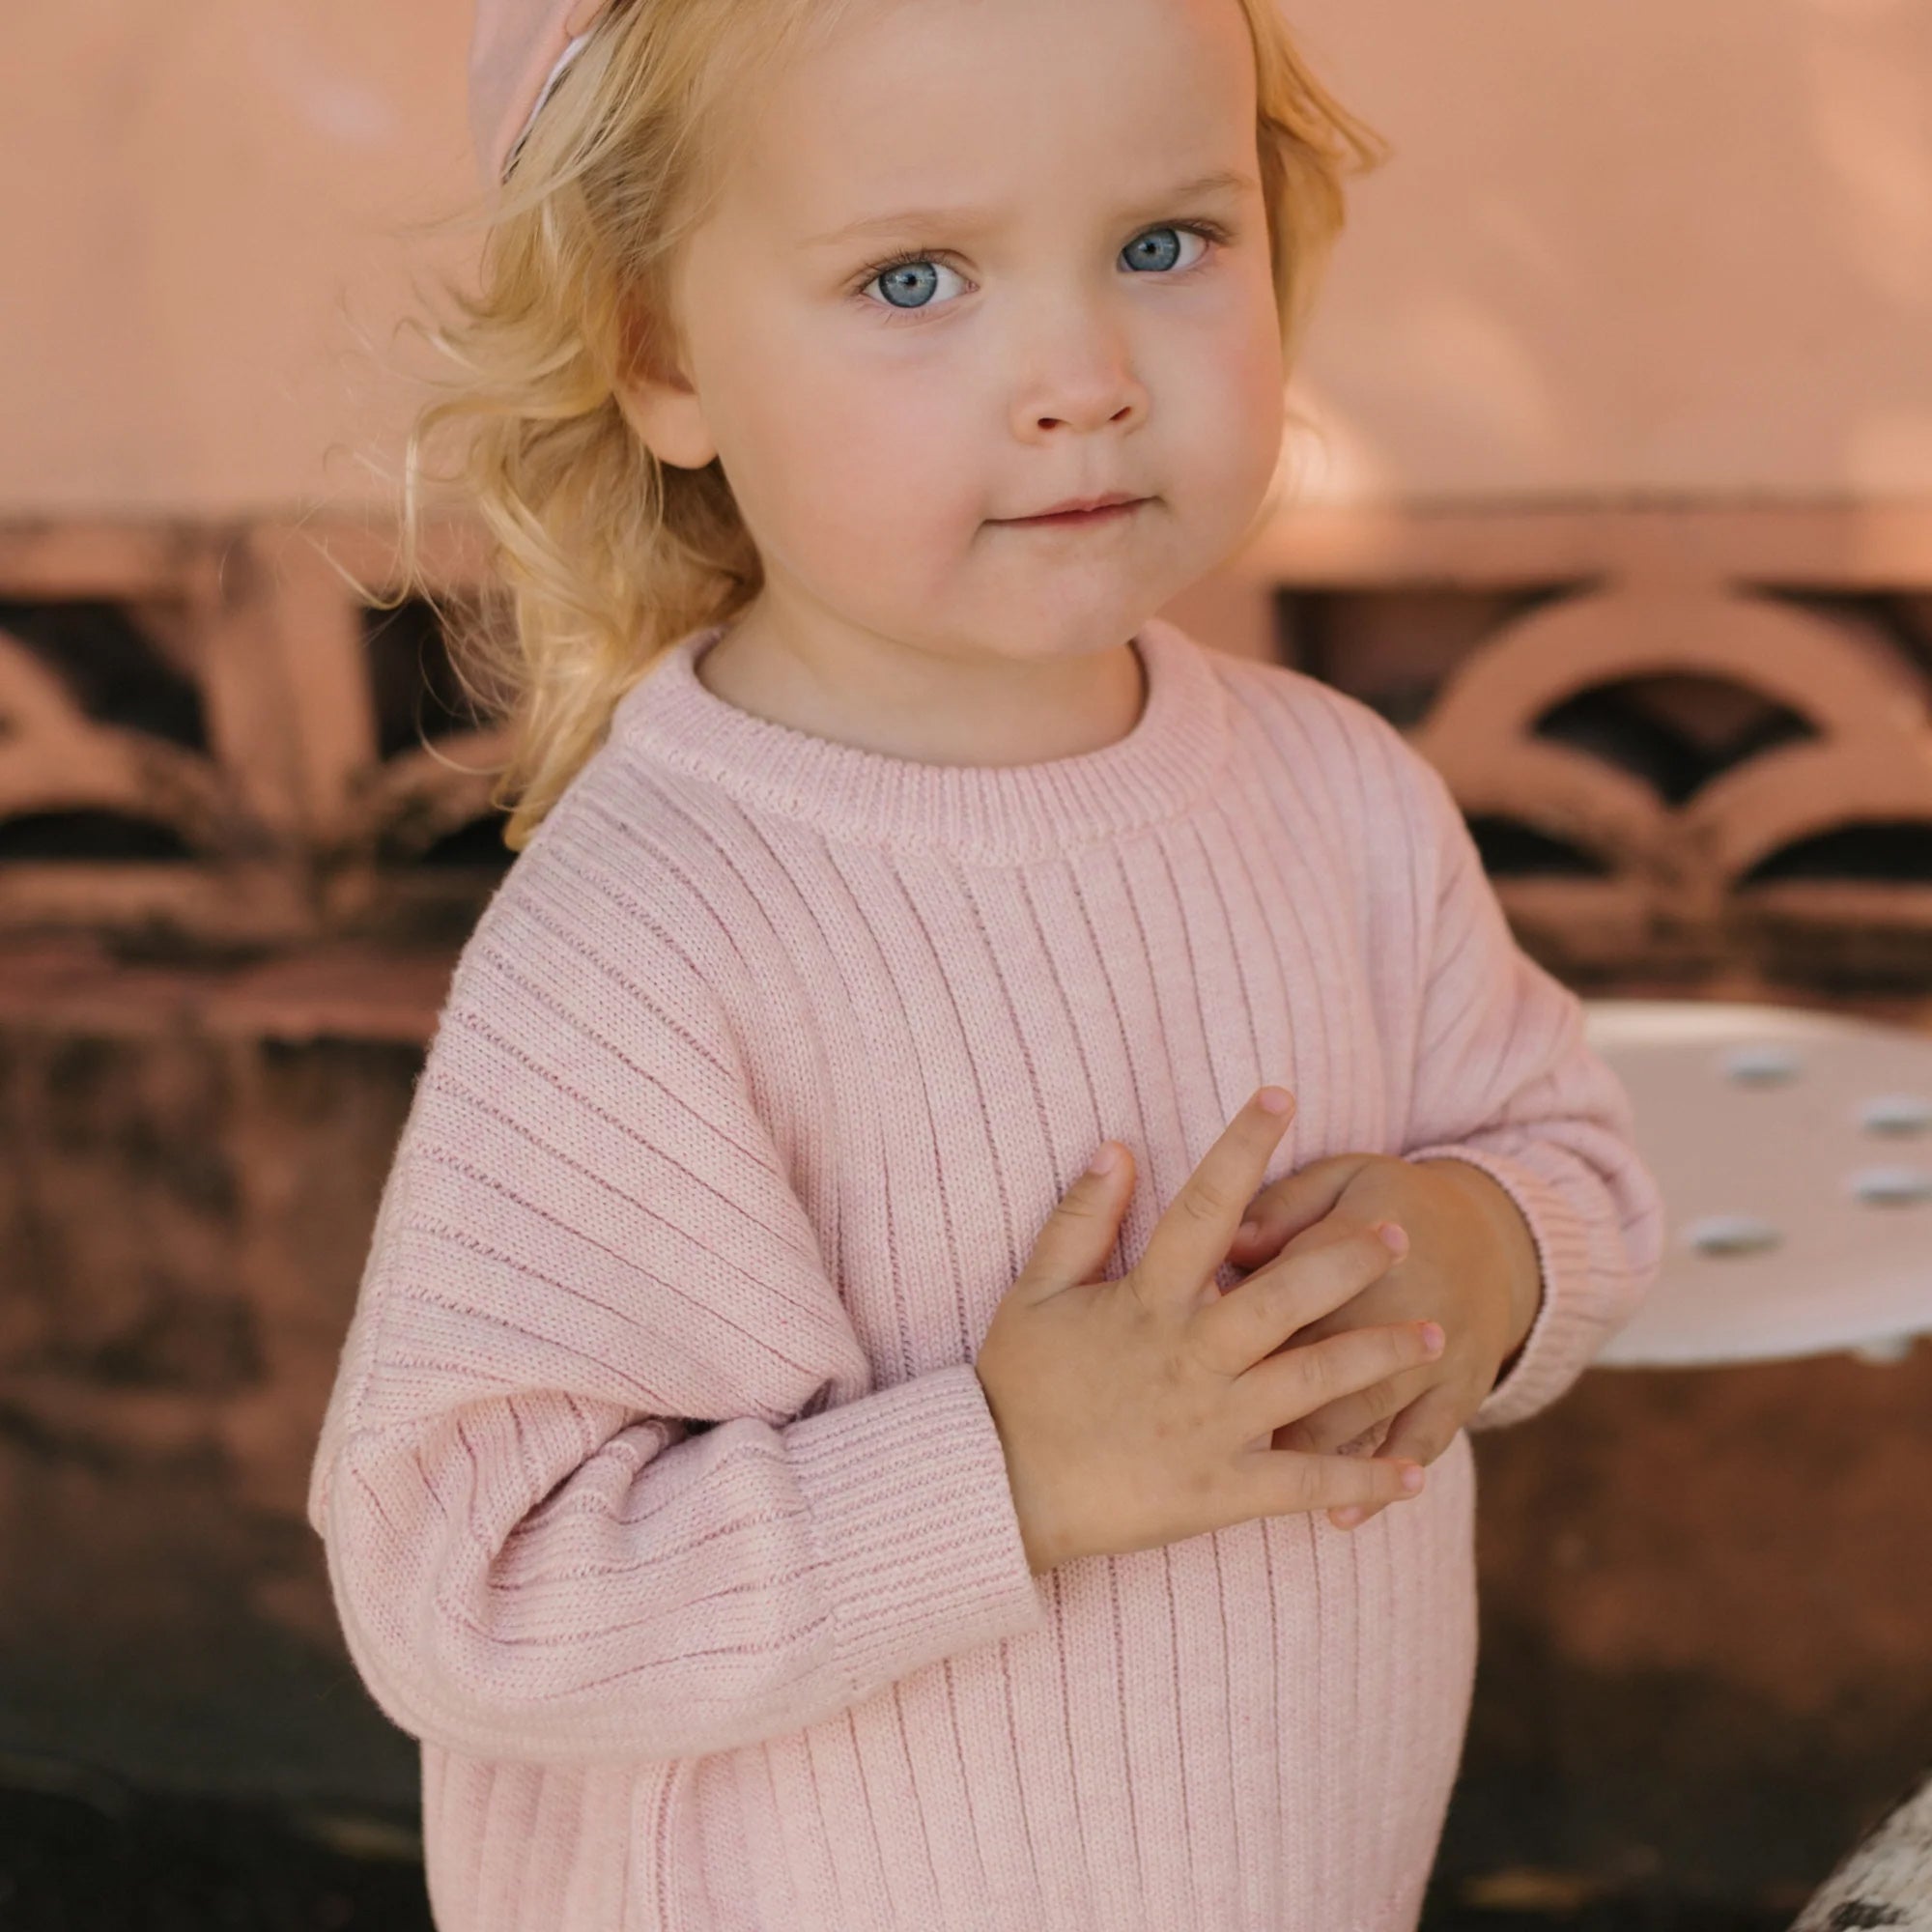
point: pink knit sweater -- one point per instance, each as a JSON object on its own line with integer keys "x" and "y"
{"x": 660, "y": 1500}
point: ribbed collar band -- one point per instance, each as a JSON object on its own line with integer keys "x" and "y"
{"x": 994, "y": 814}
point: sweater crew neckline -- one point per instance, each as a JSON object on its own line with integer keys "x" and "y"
{"x": 992, "y": 813}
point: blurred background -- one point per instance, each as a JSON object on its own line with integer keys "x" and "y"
{"x": 1616, "y": 494}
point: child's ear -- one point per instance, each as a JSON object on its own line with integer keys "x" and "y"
{"x": 658, "y": 399}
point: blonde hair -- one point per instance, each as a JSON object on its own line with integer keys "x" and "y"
{"x": 606, "y": 555}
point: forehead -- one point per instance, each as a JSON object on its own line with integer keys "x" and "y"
{"x": 995, "y": 106}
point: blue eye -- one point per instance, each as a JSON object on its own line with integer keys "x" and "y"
{"x": 913, "y": 269}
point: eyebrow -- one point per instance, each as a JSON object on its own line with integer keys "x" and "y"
{"x": 972, "y": 221}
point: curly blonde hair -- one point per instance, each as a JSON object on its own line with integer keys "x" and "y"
{"x": 606, "y": 555}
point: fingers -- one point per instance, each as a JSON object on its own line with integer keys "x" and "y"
{"x": 1423, "y": 1431}
{"x": 1191, "y": 1240}
{"x": 1282, "y": 1388}
{"x": 1289, "y": 1206}
{"x": 1258, "y": 1315}
{"x": 1286, "y": 1484}
{"x": 1080, "y": 1233}
{"x": 1350, "y": 1418}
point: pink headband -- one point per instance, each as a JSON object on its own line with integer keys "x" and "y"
{"x": 518, "y": 49}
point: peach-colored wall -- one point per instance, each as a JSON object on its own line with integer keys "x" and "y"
{"x": 1632, "y": 245}
{"x": 1624, "y": 246}
{"x": 197, "y": 202}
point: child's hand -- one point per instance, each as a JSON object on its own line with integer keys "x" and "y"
{"x": 1135, "y": 1411}
{"x": 1469, "y": 1267}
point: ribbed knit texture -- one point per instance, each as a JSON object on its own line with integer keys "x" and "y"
{"x": 754, "y": 1084}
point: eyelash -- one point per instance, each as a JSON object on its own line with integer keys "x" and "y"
{"x": 1213, "y": 232}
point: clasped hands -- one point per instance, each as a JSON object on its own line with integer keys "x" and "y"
{"x": 1471, "y": 1267}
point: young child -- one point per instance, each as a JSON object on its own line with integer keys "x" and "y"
{"x": 780, "y": 1486}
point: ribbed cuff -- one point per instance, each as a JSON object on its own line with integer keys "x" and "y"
{"x": 1569, "y": 1327}
{"x": 914, "y": 1520}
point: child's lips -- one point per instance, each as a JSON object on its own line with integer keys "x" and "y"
{"x": 1078, "y": 519}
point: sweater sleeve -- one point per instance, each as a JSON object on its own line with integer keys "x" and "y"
{"x": 586, "y": 1243}
{"x": 1505, "y": 1079}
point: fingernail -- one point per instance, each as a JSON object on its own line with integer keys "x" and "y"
{"x": 1395, "y": 1237}
{"x": 1432, "y": 1337}
{"x": 1411, "y": 1478}
{"x": 1247, "y": 1230}
{"x": 1348, "y": 1518}
{"x": 1103, "y": 1161}
{"x": 1274, "y": 1099}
